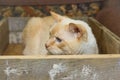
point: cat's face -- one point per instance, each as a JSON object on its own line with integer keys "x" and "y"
{"x": 67, "y": 36}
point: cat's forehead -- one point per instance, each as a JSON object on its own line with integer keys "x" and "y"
{"x": 57, "y": 28}
{"x": 68, "y": 20}
{"x": 62, "y": 26}
{"x": 80, "y": 22}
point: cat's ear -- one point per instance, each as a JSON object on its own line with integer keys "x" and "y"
{"x": 56, "y": 16}
{"x": 78, "y": 31}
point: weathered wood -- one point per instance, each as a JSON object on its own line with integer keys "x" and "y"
{"x": 46, "y": 68}
{"x": 42, "y": 2}
{"x": 4, "y": 35}
{"x": 65, "y": 67}
{"x": 16, "y": 24}
{"x": 14, "y": 49}
{"x": 101, "y": 56}
{"x": 107, "y": 41}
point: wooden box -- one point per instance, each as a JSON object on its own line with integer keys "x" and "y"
{"x": 11, "y": 30}
{"x": 105, "y": 66}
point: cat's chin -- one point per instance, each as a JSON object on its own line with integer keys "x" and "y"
{"x": 51, "y": 53}
{"x": 58, "y": 52}
{"x": 54, "y": 52}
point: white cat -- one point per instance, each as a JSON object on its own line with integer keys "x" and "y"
{"x": 67, "y": 36}
{"x": 35, "y": 35}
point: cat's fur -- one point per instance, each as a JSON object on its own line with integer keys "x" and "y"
{"x": 35, "y": 35}
{"x": 67, "y": 36}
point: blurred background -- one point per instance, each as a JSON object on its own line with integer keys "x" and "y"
{"x": 106, "y": 12}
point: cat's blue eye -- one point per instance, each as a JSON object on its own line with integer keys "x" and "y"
{"x": 58, "y": 39}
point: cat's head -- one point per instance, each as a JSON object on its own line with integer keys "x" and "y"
{"x": 67, "y": 36}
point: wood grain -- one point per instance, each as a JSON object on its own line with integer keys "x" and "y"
{"x": 14, "y": 49}
{"x": 4, "y": 35}
{"x": 66, "y": 67}
{"x": 102, "y": 56}
{"x": 62, "y": 69}
{"x": 108, "y": 42}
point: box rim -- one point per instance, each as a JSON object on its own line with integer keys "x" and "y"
{"x": 95, "y": 56}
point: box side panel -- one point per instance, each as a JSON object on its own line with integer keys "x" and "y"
{"x": 107, "y": 41}
{"x": 112, "y": 45}
{"x": 4, "y": 32}
{"x": 97, "y": 31}
{"x": 61, "y": 69}
{"x": 16, "y": 25}
{"x": 14, "y": 49}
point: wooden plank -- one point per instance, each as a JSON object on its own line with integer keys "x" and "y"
{"x": 42, "y": 2}
{"x": 60, "y": 69}
{"x": 4, "y": 32}
{"x": 97, "y": 31}
{"x": 108, "y": 42}
{"x": 13, "y": 49}
{"x": 2, "y": 67}
{"x": 111, "y": 44}
{"x": 16, "y": 24}
{"x": 105, "y": 56}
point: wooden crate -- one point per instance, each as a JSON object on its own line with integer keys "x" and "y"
{"x": 105, "y": 66}
{"x": 53, "y": 67}
{"x": 108, "y": 42}
{"x": 92, "y": 67}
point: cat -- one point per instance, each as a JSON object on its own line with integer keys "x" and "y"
{"x": 35, "y": 34}
{"x": 70, "y": 37}
{"x": 58, "y": 35}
